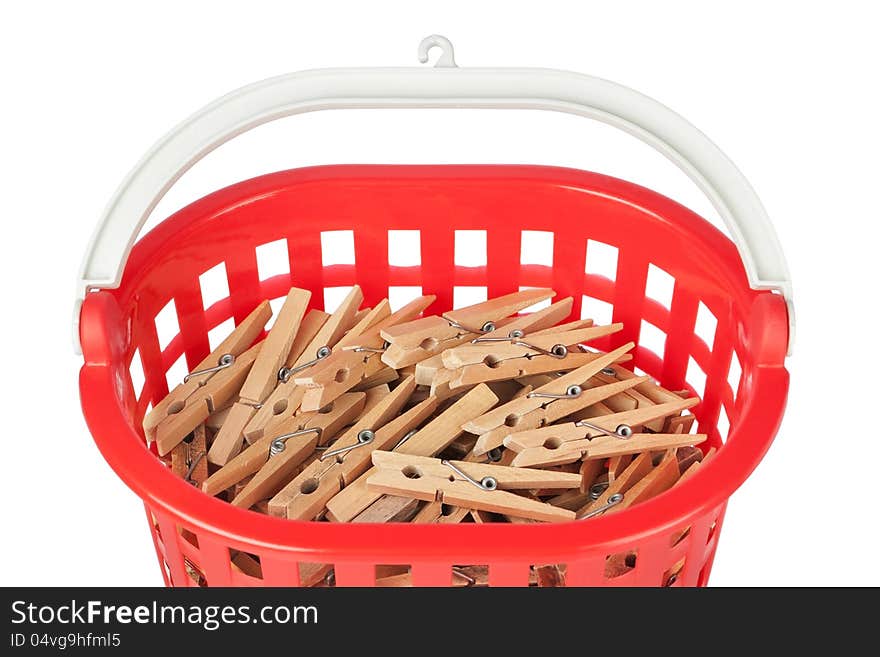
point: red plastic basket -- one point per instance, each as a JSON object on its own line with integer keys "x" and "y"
{"x": 673, "y": 535}
{"x": 194, "y": 533}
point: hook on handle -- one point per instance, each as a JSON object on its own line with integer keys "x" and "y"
{"x": 447, "y": 56}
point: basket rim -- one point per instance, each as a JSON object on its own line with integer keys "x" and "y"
{"x": 763, "y": 389}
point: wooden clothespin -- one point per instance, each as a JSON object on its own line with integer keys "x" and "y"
{"x": 649, "y": 392}
{"x": 661, "y": 478}
{"x": 638, "y": 468}
{"x": 413, "y": 341}
{"x": 599, "y": 437}
{"x": 426, "y": 370}
{"x": 293, "y": 444}
{"x": 283, "y": 462}
{"x": 472, "y": 485}
{"x": 308, "y": 330}
{"x": 355, "y": 359}
{"x": 185, "y": 416}
{"x": 521, "y": 355}
{"x": 554, "y": 400}
{"x": 262, "y": 378}
{"x": 348, "y": 457}
{"x": 430, "y": 440}
{"x": 285, "y": 399}
{"x": 219, "y": 360}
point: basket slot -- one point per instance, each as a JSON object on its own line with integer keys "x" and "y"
{"x": 706, "y": 325}
{"x": 214, "y": 285}
{"x": 472, "y": 258}
{"x": 659, "y": 286}
{"x": 723, "y": 423}
{"x": 273, "y": 259}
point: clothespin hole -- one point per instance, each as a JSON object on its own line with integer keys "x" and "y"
{"x": 175, "y": 408}
{"x": 279, "y": 407}
{"x": 341, "y": 375}
{"x": 411, "y": 472}
{"x": 308, "y": 486}
{"x": 491, "y": 361}
{"x": 553, "y": 442}
{"x": 511, "y": 420}
{"x": 329, "y": 407}
{"x": 559, "y": 350}
{"x": 189, "y": 437}
{"x": 451, "y": 477}
{"x": 428, "y": 344}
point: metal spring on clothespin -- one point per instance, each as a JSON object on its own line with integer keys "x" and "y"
{"x": 226, "y": 360}
{"x": 192, "y": 463}
{"x": 488, "y": 327}
{"x": 486, "y": 483}
{"x": 622, "y": 431}
{"x": 515, "y": 338}
{"x": 372, "y": 350}
{"x": 285, "y": 373}
{"x": 494, "y": 455}
{"x": 572, "y": 392}
{"x": 279, "y": 443}
{"x": 597, "y": 489}
{"x": 364, "y": 437}
{"x": 470, "y": 581}
{"x": 614, "y": 500}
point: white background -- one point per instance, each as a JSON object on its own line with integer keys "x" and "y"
{"x": 787, "y": 89}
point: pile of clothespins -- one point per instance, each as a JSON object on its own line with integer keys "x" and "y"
{"x": 477, "y": 415}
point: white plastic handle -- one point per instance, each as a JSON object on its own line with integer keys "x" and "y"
{"x": 443, "y": 86}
